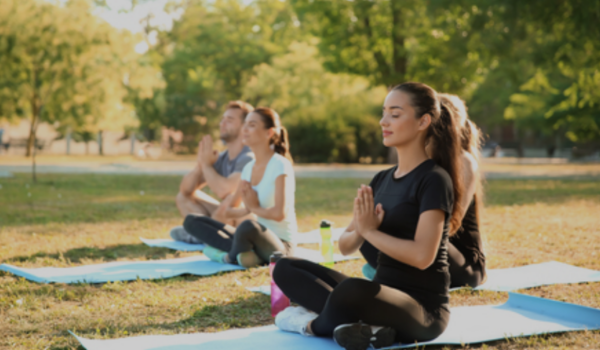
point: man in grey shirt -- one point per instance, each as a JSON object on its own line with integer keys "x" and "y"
{"x": 220, "y": 172}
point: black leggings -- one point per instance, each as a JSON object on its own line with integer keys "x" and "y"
{"x": 339, "y": 299}
{"x": 248, "y": 236}
{"x": 462, "y": 272}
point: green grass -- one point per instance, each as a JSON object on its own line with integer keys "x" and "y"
{"x": 98, "y": 218}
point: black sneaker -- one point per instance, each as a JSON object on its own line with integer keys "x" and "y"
{"x": 358, "y": 336}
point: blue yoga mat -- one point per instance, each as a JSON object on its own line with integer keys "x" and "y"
{"x": 523, "y": 277}
{"x": 122, "y": 271}
{"x": 171, "y": 244}
{"x": 520, "y": 316}
{"x": 132, "y": 270}
{"x": 308, "y": 254}
{"x": 313, "y": 236}
{"x": 529, "y": 276}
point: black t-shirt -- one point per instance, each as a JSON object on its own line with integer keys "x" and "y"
{"x": 427, "y": 187}
{"x": 468, "y": 239}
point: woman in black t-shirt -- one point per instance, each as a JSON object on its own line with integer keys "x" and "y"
{"x": 406, "y": 213}
{"x": 465, "y": 250}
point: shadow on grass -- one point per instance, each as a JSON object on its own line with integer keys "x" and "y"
{"x": 94, "y": 198}
{"x": 90, "y": 198}
{"x": 253, "y": 311}
{"x": 110, "y": 253}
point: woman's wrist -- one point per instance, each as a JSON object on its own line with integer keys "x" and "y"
{"x": 368, "y": 233}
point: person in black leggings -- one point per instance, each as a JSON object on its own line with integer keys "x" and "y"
{"x": 406, "y": 213}
{"x": 249, "y": 236}
{"x": 267, "y": 190}
{"x": 465, "y": 251}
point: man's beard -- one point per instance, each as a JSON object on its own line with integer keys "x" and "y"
{"x": 227, "y": 137}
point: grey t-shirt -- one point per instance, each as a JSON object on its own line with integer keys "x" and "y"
{"x": 226, "y": 167}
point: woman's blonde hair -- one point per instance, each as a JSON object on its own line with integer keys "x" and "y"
{"x": 470, "y": 140}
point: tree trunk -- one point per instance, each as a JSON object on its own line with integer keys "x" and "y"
{"x": 35, "y": 110}
{"x": 399, "y": 51}
{"x": 100, "y": 146}
{"x": 69, "y": 141}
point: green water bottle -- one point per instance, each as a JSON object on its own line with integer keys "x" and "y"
{"x": 326, "y": 244}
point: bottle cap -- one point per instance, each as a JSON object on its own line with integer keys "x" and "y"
{"x": 276, "y": 256}
{"x": 325, "y": 223}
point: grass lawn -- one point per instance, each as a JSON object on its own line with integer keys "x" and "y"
{"x": 70, "y": 220}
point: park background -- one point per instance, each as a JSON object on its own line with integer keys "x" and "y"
{"x": 149, "y": 77}
{"x": 153, "y": 76}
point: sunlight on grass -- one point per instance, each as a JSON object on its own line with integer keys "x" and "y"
{"x": 99, "y": 219}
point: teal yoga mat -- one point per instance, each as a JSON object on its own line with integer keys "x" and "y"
{"x": 308, "y": 254}
{"x": 313, "y": 236}
{"x": 132, "y": 270}
{"x": 535, "y": 275}
{"x": 122, "y": 271}
{"x": 520, "y": 316}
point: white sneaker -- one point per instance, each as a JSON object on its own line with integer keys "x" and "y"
{"x": 178, "y": 233}
{"x": 294, "y": 319}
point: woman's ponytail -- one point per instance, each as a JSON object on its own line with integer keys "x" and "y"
{"x": 442, "y": 140}
{"x": 446, "y": 152}
{"x": 470, "y": 140}
{"x": 281, "y": 143}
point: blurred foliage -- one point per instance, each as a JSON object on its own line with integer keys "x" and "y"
{"x": 533, "y": 63}
{"x": 330, "y": 117}
{"x": 61, "y": 65}
{"x": 533, "y": 66}
{"x": 213, "y": 49}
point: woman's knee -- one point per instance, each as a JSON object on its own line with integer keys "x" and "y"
{"x": 353, "y": 292}
{"x": 190, "y": 222}
{"x": 282, "y": 270}
{"x": 247, "y": 228}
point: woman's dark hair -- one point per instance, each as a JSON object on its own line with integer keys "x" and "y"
{"x": 280, "y": 140}
{"x": 442, "y": 139}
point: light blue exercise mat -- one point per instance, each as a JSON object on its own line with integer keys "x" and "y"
{"x": 523, "y": 277}
{"x": 313, "y": 236}
{"x": 171, "y": 244}
{"x": 520, "y": 316}
{"x": 132, "y": 270}
{"x": 308, "y": 254}
{"x": 122, "y": 270}
{"x": 529, "y": 276}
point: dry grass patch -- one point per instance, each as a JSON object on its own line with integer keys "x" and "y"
{"x": 99, "y": 219}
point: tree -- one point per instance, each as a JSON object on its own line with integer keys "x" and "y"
{"x": 561, "y": 91}
{"x": 65, "y": 62}
{"x": 330, "y": 117}
{"x": 215, "y": 46}
{"x": 368, "y": 38}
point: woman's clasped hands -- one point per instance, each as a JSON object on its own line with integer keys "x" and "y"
{"x": 249, "y": 195}
{"x": 367, "y": 216}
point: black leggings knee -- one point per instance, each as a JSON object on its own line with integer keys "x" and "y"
{"x": 250, "y": 235}
{"x": 339, "y": 299}
{"x": 462, "y": 272}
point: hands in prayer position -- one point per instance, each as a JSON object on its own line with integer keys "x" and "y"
{"x": 249, "y": 196}
{"x": 367, "y": 216}
{"x": 207, "y": 156}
